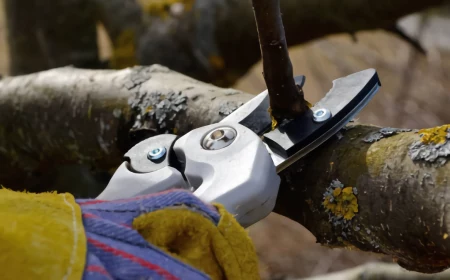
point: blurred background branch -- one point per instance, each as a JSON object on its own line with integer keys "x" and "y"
{"x": 215, "y": 41}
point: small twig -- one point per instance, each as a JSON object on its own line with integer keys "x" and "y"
{"x": 286, "y": 99}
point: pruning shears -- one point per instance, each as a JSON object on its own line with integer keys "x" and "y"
{"x": 236, "y": 162}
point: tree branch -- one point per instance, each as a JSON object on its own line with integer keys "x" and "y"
{"x": 286, "y": 99}
{"x": 68, "y": 116}
{"x": 399, "y": 204}
{"x": 48, "y": 34}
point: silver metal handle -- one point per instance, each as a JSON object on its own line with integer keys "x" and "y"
{"x": 236, "y": 171}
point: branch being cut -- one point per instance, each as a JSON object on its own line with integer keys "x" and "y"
{"x": 286, "y": 99}
{"x": 392, "y": 198}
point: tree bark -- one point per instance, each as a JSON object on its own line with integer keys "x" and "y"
{"x": 401, "y": 202}
{"x": 214, "y": 41}
{"x": 69, "y": 115}
{"x": 398, "y": 180}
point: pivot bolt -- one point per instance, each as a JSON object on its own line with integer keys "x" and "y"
{"x": 321, "y": 115}
{"x": 156, "y": 154}
{"x": 219, "y": 138}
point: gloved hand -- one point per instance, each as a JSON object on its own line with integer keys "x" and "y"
{"x": 169, "y": 235}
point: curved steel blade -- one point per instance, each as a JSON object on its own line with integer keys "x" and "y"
{"x": 254, "y": 114}
{"x": 296, "y": 138}
{"x": 348, "y": 96}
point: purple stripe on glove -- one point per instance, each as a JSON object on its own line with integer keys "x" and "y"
{"x": 117, "y": 251}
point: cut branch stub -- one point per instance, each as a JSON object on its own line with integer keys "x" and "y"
{"x": 286, "y": 99}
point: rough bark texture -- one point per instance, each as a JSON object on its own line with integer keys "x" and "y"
{"x": 68, "y": 115}
{"x": 402, "y": 204}
{"x": 286, "y": 99}
{"x": 214, "y": 41}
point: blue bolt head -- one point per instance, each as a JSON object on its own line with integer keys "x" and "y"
{"x": 157, "y": 153}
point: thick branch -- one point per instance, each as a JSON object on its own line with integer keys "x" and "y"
{"x": 66, "y": 116}
{"x": 286, "y": 99}
{"x": 401, "y": 204}
{"x": 70, "y": 115}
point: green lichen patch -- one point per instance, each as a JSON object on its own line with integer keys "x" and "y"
{"x": 433, "y": 146}
{"x": 383, "y": 133}
{"x": 229, "y": 107}
{"x": 153, "y": 112}
{"x": 151, "y": 109}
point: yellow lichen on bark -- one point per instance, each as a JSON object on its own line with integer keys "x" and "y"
{"x": 161, "y": 8}
{"x": 435, "y": 135}
{"x": 308, "y": 104}
{"x": 274, "y": 121}
{"x": 337, "y": 192}
{"x": 342, "y": 202}
{"x": 216, "y": 62}
{"x": 124, "y": 50}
